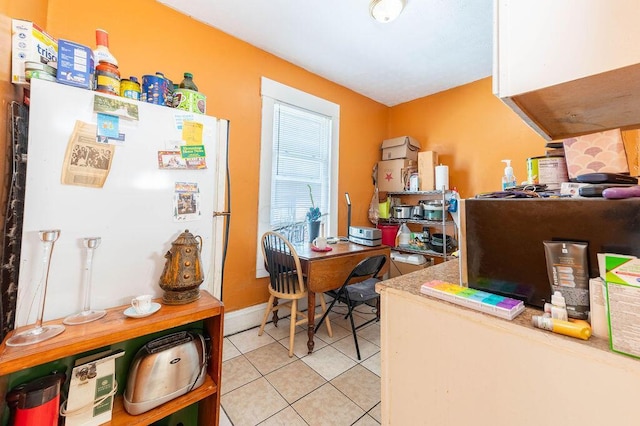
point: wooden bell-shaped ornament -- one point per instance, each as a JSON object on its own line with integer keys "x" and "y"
{"x": 182, "y": 274}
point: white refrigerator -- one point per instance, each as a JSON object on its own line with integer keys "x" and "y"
{"x": 163, "y": 172}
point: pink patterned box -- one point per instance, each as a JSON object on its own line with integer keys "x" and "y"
{"x": 601, "y": 152}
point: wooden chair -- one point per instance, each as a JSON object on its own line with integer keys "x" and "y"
{"x": 356, "y": 293}
{"x": 286, "y": 282}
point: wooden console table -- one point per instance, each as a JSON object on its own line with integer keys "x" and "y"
{"x": 115, "y": 327}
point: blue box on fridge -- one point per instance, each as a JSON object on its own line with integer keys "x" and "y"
{"x": 75, "y": 64}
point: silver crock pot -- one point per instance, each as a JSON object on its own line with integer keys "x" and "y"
{"x": 434, "y": 209}
{"x": 402, "y": 212}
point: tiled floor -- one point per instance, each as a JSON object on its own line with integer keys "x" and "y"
{"x": 261, "y": 385}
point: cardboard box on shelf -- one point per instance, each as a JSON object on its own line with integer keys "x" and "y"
{"x": 401, "y": 147}
{"x": 427, "y": 162}
{"x": 394, "y": 174}
{"x": 29, "y": 43}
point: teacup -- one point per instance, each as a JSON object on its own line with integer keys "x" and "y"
{"x": 142, "y": 304}
{"x": 320, "y": 243}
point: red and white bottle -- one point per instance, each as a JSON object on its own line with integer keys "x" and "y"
{"x": 101, "y": 52}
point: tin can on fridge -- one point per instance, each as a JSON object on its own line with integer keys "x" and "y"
{"x": 154, "y": 89}
{"x": 190, "y": 100}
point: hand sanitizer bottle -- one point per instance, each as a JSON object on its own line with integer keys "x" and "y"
{"x": 508, "y": 180}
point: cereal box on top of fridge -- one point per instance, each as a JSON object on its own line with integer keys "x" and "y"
{"x": 29, "y": 43}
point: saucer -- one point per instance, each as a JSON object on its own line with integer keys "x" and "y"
{"x": 131, "y": 313}
{"x": 327, "y": 248}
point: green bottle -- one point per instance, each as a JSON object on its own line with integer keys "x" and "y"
{"x": 188, "y": 83}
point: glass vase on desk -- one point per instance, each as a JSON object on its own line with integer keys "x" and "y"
{"x": 313, "y": 228}
{"x": 38, "y": 333}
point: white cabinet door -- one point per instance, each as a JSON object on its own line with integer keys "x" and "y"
{"x": 546, "y": 42}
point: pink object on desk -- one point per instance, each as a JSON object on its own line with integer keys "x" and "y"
{"x": 314, "y": 248}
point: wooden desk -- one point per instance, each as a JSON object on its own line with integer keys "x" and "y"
{"x": 328, "y": 270}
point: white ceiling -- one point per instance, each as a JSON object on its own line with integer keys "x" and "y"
{"x": 433, "y": 46}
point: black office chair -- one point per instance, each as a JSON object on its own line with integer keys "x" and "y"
{"x": 358, "y": 293}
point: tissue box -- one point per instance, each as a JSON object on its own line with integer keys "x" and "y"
{"x": 75, "y": 64}
{"x": 29, "y": 43}
{"x": 601, "y": 152}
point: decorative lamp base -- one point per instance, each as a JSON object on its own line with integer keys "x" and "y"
{"x": 180, "y": 297}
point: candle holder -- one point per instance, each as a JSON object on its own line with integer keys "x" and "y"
{"x": 38, "y": 333}
{"x": 87, "y": 314}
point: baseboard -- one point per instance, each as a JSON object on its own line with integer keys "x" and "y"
{"x": 244, "y": 319}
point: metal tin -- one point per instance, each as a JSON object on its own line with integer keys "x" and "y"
{"x": 550, "y": 171}
{"x": 130, "y": 88}
{"x": 190, "y": 100}
{"x": 155, "y": 89}
{"x": 29, "y": 74}
{"x": 107, "y": 78}
{"x": 39, "y": 66}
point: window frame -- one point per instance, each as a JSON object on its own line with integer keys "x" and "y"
{"x": 271, "y": 93}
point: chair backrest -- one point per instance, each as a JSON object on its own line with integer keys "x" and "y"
{"x": 282, "y": 263}
{"x": 369, "y": 267}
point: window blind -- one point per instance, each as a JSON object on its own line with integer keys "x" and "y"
{"x": 301, "y": 157}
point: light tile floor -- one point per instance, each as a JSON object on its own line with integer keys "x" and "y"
{"x": 261, "y": 385}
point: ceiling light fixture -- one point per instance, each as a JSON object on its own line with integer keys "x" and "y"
{"x": 386, "y": 10}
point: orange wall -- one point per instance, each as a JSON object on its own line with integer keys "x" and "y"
{"x": 471, "y": 130}
{"x": 468, "y": 126}
{"x": 146, "y": 37}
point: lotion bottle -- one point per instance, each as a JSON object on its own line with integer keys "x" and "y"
{"x": 508, "y": 179}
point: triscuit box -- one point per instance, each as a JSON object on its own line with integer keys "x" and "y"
{"x": 427, "y": 162}
{"x": 75, "y": 64}
{"x": 394, "y": 174}
{"x": 29, "y": 43}
{"x": 401, "y": 147}
{"x": 623, "y": 303}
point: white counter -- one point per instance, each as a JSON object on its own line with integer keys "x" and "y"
{"x": 445, "y": 365}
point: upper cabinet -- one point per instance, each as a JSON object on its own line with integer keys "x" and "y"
{"x": 569, "y": 67}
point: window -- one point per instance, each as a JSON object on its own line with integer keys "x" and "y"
{"x": 299, "y": 150}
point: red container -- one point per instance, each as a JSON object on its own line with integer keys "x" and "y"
{"x": 36, "y": 402}
{"x": 389, "y": 233}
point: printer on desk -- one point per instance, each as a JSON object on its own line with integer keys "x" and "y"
{"x": 371, "y": 237}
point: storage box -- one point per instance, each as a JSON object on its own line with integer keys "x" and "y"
{"x": 427, "y": 162}
{"x": 601, "y": 152}
{"x": 623, "y": 302}
{"x": 393, "y": 175}
{"x": 29, "y": 43}
{"x": 75, "y": 64}
{"x": 402, "y": 263}
{"x": 402, "y": 147}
